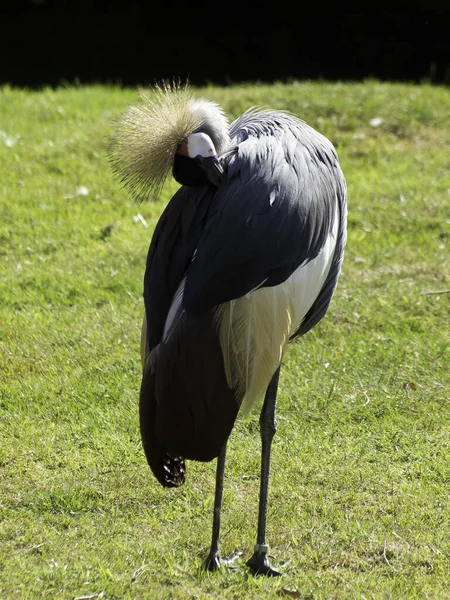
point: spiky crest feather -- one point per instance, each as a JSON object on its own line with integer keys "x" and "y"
{"x": 147, "y": 136}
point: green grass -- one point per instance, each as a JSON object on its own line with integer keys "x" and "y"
{"x": 359, "y": 496}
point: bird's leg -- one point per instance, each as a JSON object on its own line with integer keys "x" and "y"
{"x": 259, "y": 563}
{"x": 212, "y": 562}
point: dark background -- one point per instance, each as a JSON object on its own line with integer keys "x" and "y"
{"x": 52, "y": 42}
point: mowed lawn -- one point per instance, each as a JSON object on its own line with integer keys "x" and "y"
{"x": 359, "y": 501}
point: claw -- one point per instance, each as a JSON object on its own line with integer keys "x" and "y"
{"x": 213, "y": 562}
{"x": 259, "y": 564}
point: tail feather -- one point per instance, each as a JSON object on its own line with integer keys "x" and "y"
{"x": 168, "y": 469}
{"x": 187, "y": 408}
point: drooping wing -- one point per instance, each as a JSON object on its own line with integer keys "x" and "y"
{"x": 173, "y": 244}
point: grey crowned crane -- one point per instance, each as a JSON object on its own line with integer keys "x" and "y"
{"x": 244, "y": 259}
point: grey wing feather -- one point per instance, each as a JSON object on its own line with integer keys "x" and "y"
{"x": 281, "y": 188}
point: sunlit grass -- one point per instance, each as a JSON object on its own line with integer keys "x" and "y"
{"x": 359, "y": 497}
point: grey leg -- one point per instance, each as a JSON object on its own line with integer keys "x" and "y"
{"x": 259, "y": 563}
{"x": 212, "y": 562}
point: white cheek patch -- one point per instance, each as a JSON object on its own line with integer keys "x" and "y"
{"x": 200, "y": 144}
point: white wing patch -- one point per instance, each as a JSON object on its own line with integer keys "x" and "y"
{"x": 307, "y": 280}
{"x": 255, "y": 329}
{"x": 175, "y": 311}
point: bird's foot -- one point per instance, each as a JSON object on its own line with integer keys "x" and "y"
{"x": 259, "y": 564}
{"x": 212, "y": 562}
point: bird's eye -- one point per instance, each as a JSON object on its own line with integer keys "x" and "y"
{"x": 183, "y": 148}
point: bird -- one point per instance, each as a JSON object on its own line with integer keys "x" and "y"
{"x": 244, "y": 259}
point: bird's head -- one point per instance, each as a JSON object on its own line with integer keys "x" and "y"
{"x": 168, "y": 131}
{"x": 196, "y": 161}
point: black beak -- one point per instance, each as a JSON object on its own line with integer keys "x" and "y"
{"x": 212, "y": 169}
